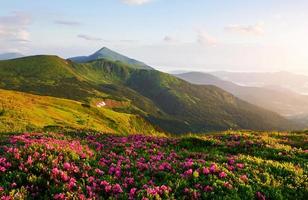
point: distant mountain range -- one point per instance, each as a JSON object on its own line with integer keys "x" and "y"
{"x": 282, "y": 101}
{"x": 283, "y": 80}
{"x": 158, "y": 99}
{"x": 107, "y": 54}
{"x": 8, "y": 56}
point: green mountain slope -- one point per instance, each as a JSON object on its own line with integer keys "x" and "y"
{"x": 201, "y": 107}
{"x": 169, "y": 103}
{"x": 45, "y": 75}
{"x": 23, "y": 112}
{"x": 107, "y": 54}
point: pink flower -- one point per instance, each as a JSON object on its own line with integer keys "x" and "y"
{"x": 231, "y": 161}
{"x": 260, "y": 196}
{"x": 117, "y": 189}
{"x": 29, "y": 161}
{"x": 104, "y": 183}
{"x": 66, "y": 166}
{"x": 205, "y": 170}
{"x": 132, "y": 193}
{"x": 108, "y": 188}
{"x": 208, "y": 188}
{"x": 244, "y": 178}
{"x": 55, "y": 171}
{"x": 228, "y": 185}
{"x": 240, "y": 165}
{"x": 59, "y": 196}
{"x": 64, "y": 176}
{"x": 213, "y": 168}
{"x": 118, "y": 173}
{"x": 222, "y": 175}
{"x": 164, "y": 188}
{"x": 188, "y": 163}
{"x": 98, "y": 171}
{"x": 72, "y": 183}
{"x": 188, "y": 172}
{"x": 2, "y": 169}
{"x": 230, "y": 168}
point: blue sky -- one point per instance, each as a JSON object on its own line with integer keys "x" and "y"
{"x": 237, "y": 35}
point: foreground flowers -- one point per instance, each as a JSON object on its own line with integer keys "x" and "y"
{"x": 142, "y": 167}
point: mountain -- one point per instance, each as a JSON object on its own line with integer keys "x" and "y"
{"x": 286, "y": 80}
{"x": 280, "y": 100}
{"x": 107, "y": 54}
{"x": 8, "y": 56}
{"x": 168, "y": 103}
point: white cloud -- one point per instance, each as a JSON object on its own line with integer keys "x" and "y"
{"x": 277, "y": 16}
{"x": 67, "y": 23}
{"x": 14, "y": 27}
{"x": 136, "y": 2}
{"x": 205, "y": 39}
{"x": 171, "y": 40}
{"x": 257, "y": 29}
{"x": 89, "y": 37}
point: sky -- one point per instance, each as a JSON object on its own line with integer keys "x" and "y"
{"x": 191, "y": 35}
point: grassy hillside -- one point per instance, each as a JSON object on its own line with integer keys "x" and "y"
{"x": 83, "y": 165}
{"x": 167, "y": 102}
{"x": 201, "y": 107}
{"x": 25, "y": 112}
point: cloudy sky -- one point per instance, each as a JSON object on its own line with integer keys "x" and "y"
{"x": 237, "y": 35}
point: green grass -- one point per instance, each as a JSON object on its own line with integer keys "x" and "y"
{"x": 26, "y": 112}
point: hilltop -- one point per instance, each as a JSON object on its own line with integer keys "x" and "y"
{"x": 108, "y": 54}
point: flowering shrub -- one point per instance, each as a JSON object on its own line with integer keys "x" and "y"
{"x": 37, "y": 165}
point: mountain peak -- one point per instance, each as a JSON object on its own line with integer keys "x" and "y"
{"x": 108, "y": 54}
{"x": 104, "y": 49}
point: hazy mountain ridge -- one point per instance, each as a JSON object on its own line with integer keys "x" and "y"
{"x": 286, "y": 80}
{"x": 282, "y": 101}
{"x": 9, "y": 56}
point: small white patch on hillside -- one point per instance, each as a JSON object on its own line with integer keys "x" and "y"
{"x": 101, "y": 104}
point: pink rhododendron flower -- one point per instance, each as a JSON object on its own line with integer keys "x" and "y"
{"x": 244, "y": 178}
{"x": 222, "y": 175}
{"x": 208, "y": 188}
{"x": 66, "y": 166}
{"x": 188, "y": 172}
{"x": 117, "y": 189}
{"x": 205, "y": 170}
{"x": 240, "y": 165}
{"x": 228, "y": 185}
{"x": 213, "y": 168}
{"x": 260, "y": 196}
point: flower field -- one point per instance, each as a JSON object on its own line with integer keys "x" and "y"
{"x": 230, "y": 165}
